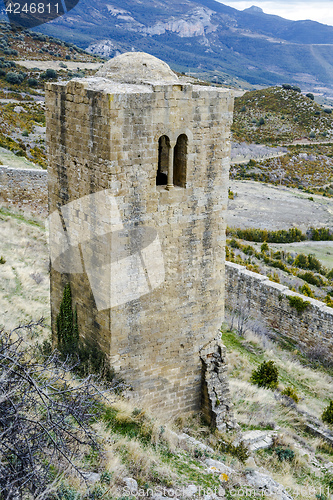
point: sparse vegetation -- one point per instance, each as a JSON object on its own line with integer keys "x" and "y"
{"x": 289, "y": 116}
{"x": 290, "y": 393}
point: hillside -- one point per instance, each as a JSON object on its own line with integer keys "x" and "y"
{"x": 204, "y": 37}
{"x": 22, "y": 114}
{"x": 186, "y": 455}
{"x": 277, "y": 115}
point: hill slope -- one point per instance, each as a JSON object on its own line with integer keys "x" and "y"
{"x": 275, "y": 115}
{"x": 204, "y": 36}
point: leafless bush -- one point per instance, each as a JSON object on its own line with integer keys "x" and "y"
{"x": 319, "y": 354}
{"x": 44, "y": 417}
{"x": 37, "y": 277}
{"x": 238, "y": 318}
{"x": 261, "y": 330}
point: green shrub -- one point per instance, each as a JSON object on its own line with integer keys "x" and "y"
{"x": 32, "y": 82}
{"x": 240, "y": 451}
{"x": 291, "y": 393}
{"x": 301, "y": 261}
{"x": 306, "y": 290}
{"x": 266, "y": 375}
{"x": 264, "y": 248}
{"x": 14, "y": 78}
{"x": 327, "y": 110}
{"x": 310, "y": 96}
{"x": 49, "y": 74}
{"x": 260, "y": 122}
{"x": 248, "y": 250}
{"x": 312, "y": 135}
{"x": 327, "y": 415}
{"x": 284, "y": 454}
{"x": 2, "y": 260}
{"x": 298, "y": 303}
{"x": 311, "y": 278}
{"x": 234, "y": 243}
{"x": 314, "y": 263}
{"x": 262, "y": 235}
{"x": 286, "y": 86}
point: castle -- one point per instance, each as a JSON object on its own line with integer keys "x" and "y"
{"x": 138, "y": 188}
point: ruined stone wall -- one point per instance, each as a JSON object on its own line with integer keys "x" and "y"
{"x": 268, "y": 300}
{"x": 105, "y": 136}
{"x": 23, "y": 184}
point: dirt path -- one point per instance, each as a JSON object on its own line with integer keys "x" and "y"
{"x": 71, "y": 65}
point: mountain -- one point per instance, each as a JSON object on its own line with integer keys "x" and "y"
{"x": 204, "y": 37}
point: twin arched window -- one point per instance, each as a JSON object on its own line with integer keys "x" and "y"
{"x": 172, "y": 162}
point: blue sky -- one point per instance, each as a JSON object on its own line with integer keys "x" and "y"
{"x": 316, "y": 10}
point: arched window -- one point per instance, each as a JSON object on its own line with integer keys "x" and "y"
{"x": 180, "y": 161}
{"x": 163, "y": 161}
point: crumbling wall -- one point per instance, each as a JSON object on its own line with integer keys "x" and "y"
{"x": 216, "y": 405}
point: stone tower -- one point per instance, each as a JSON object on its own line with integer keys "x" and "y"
{"x": 138, "y": 181}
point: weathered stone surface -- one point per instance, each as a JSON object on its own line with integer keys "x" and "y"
{"x": 216, "y": 401}
{"x": 18, "y": 184}
{"x": 216, "y": 466}
{"x": 256, "y": 440}
{"x": 268, "y": 301}
{"x": 106, "y": 135}
{"x": 131, "y": 484}
{"x": 188, "y": 442}
{"x": 266, "y": 484}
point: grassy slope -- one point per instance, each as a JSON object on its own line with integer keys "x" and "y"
{"x": 135, "y": 444}
{"x": 24, "y": 278}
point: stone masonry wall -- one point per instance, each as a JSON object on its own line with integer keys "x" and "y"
{"x": 268, "y": 300}
{"x": 23, "y": 184}
{"x": 102, "y": 136}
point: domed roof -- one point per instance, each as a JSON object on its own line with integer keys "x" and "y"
{"x": 136, "y": 68}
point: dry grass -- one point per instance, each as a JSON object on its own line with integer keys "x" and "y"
{"x": 24, "y": 277}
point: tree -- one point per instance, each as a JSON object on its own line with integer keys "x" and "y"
{"x": 44, "y": 417}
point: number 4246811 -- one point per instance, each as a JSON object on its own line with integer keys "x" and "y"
{"x": 32, "y": 8}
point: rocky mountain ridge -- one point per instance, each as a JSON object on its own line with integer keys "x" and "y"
{"x": 205, "y": 38}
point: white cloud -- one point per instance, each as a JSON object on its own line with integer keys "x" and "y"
{"x": 321, "y": 11}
